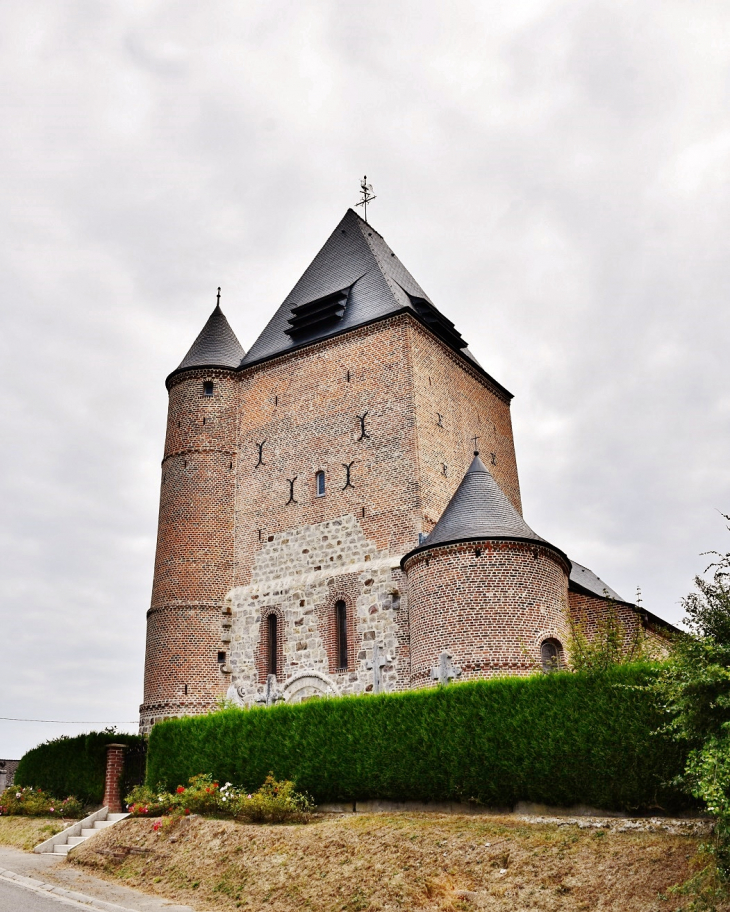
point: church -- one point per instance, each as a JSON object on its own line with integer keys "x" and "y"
{"x": 340, "y": 507}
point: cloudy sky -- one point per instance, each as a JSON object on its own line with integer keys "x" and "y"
{"x": 555, "y": 175}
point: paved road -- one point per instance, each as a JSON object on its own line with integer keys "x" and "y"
{"x": 18, "y": 899}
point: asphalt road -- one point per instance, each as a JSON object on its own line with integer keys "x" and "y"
{"x": 19, "y": 899}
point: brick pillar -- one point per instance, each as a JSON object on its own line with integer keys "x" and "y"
{"x": 114, "y": 770}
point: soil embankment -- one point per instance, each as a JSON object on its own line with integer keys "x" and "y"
{"x": 400, "y": 861}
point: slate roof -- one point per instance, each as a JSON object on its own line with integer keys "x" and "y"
{"x": 355, "y": 279}
{"x": 479, "y": 510}
{"x": 583, "y": 578}
{"x": 216, "y": 346}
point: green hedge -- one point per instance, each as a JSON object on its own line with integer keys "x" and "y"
{"x": 71, "y": 766}
{"x": 561, "y": 739}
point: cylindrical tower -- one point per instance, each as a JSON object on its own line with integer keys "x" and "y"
{"x": 487, "y": 596}
{"x": 188, "y": 635}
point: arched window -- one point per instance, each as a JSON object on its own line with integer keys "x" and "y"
{"x": 319, "y": 483}
{"x": 272, "y": 623}
{"x": 550, "y": 655}
{"x": 341, "y": 621}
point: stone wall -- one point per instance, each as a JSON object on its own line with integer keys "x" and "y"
{"x": 300, "y": 574}
{"x": 7, "y": 773}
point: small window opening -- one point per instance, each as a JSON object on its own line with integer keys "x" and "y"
{"x": 272, "y": 623}
{"x": 395, "y": 601}
{"x": 341, "y": 618}
{"x": 550, "y": 653}
{"x": 221, "y": 658}
{"x": 320, "y": 484}
{"x": 204, "y": 419}
{"x": 186, "y": 690}
{"x": 208, "y": 387}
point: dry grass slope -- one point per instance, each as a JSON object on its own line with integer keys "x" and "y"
{"x": 27, "y": 832}
{"x": 396, "y": 861}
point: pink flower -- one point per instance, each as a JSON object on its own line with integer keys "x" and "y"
{"x": 51, "y": 809}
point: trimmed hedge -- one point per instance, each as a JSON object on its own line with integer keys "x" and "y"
{"x": 71, "y": 766}
{"x": 560, "y": 739}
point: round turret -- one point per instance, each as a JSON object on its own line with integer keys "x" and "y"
{"x": 188, "y": 635}
{"x": 487, "y": 595}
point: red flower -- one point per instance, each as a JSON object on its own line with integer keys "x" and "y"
{"x": 180, "y": 790}
{"x": 187, "y": 810}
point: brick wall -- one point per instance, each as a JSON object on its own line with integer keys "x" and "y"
{"x": 489, "y": 604}
{"x": 194, "y": 558}
{"x": 586, "y": 611}
{"x": 453, "y": 402}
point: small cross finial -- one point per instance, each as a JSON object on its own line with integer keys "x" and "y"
{"x": 366, "y": 191}
{"x": 475, "y": 438}
{"x": 218, "y": 297}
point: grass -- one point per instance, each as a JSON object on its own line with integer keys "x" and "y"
{"x": 364, "y": 863}
{"x": 26, "y": 832}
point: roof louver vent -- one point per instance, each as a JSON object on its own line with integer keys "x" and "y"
{"x": 437, "y": 322}
{"x": 318, "y": 315}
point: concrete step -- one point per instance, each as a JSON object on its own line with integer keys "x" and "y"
{"x": 115, "y": 818}
{"x": 62, "y": 849}
{"x": 88, "y": 831}
{"x": 76, "y": 840}
{"x": 100, "y": 824}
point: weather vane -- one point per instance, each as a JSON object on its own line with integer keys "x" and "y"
{"x": 366, "y": 191}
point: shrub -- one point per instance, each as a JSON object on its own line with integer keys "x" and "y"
{"x": 71, "y": 766}
{"x": 274, "y": 802}
{"x": 558, "y": 739}
{"x": 28, "y": 802}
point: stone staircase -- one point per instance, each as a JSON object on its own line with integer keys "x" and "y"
{"x": 63, "y": 842}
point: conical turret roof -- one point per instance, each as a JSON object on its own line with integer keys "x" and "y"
{"x": 355, "y": 279}
{"x": 216, "y": 346}
{"x": 480, "y": 510}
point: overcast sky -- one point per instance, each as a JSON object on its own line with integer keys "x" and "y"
{"x": 554, "y": 174}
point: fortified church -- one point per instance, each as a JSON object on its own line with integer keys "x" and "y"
{"x": 340, "y": 507}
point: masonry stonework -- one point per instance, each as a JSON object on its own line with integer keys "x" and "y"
{"x": 320, "y": 470}
{"x": 490, "y": 605}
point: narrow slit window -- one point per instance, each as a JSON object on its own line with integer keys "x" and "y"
{"x": 208, "y": 387}
{"x": 320, "y": 484}
{"x": 341, "y": 619}
{"x": 272, "y": 623}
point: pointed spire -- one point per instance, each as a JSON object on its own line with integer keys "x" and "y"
{"x": 480, "y": 510}
{"x": 355, "y": 279}
{"x": 215, "y": 346}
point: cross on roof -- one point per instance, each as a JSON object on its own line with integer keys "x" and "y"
{"x": 218, "y": 297}
{"x": 475, "y": 438}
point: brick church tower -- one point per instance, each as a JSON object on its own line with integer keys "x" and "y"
{"x": 324, "y": 525}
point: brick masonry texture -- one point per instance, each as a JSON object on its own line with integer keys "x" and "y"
{"x": 194, "y": 559}
{"x": 387, "y": 412}
{"x": 114, "y": 770}
{"x": 490, "y": 605}
{"x": 587, "y": 611}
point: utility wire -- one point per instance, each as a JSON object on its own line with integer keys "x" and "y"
{"x": 67, "y": 722}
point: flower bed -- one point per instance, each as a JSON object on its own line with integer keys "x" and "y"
{"x": 274, "y": 802}
{"x": 29, "y": 802}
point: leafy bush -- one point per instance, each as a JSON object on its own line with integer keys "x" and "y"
{"x": 71, "y": 766}
{"x": 274, "y": 802}
{"x": 558, "y": 739}
{"x": 28, "y": 802}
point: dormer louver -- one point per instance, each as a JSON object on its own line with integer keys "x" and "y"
{"x": 437, "y": 322}
{"x": 319, "y": 315}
